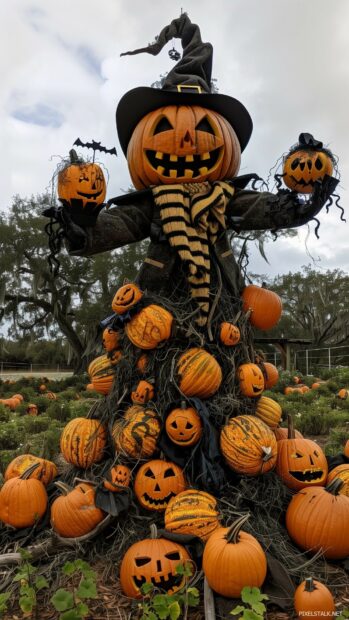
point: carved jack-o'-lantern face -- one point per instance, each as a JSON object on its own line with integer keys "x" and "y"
{"x": 157, "y": 482}
{"x": 118, "y": 478}
{"x": 143, "y": 393}
{"x": 179, "y": 144}
{"x": 305, "y": 166}
{"x": 83, "y": 182}
{"x": 229, "y": 334}
{"x": 184, "y": 426}
{"x": 251, "y": 379}
{"x": 126, "y": 297}
{"x": 301, "y": 463}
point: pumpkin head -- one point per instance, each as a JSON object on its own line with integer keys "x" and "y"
{"x": 233, "y": 558}
{"x": 81, "y": 181}
{"x": 269, "y": 411}
{"x": 181, "y": 144}
{"x": 192, "y": 512}
{"x": 143, "y": 393}
{"x": 102, "y": 371}
{"x": 313, "y": 599}
{"x": 118, "y": 478}
{"x": 229, "y": 334}
{"x": 248, "y": 445}
{"x": 302, "y": 167}
{"x": 83, "y": 442}
{"x": 126, "y": 297}
{"x": 45, "y": 471}
{"x": 183, "y": 426}
{"x": 157, "y": 482}
{"x": 135, "y": 435}
{"x": 341, "y": 472}
{"x": 32, "y": 409}
{"x": 75, "y": 514}
{"x": 153, "y": 560}
{"x": 110, "y": 339}
{"x": 300, "y": 462}
{"x": 271, "y": 374}
{"x": 318, "y": 518}
{"x": 265, "y": 306}
{"x": 251, "y": 380}
{"x": 149, "y": 327}
{"x": 23, "y": 500}
{"x": 199, "y": 373}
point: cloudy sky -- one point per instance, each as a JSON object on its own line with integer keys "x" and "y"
{"x": 62, "y": 77}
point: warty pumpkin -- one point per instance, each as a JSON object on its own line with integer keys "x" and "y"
{"x": 135, "y": 434}
{"x": 83, "y": 441}
{"x": 314, "y": 600}
{"x": 199, "y": 373}
{"x": 181, "y": 144}
{"x": 233, "y": 559}
{"x": 157, "y": 482}
{"x": 192, "y": 512}
{"x": 265, "y": 306}
{"x": 152, "y": 560}
{"x": 23, "y": 500}
{"x": 269, "y": 411}
{"x": 149, "y": 327}
{"x": 74, "y": 513}
{"x": 183, "y": 426}
{"x": 45, "y": 472}
{"x": 248, "y": 445}
{"x": 317, "y": 518}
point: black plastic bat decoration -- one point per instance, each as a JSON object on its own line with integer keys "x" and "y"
{"x": 96, "y": 146}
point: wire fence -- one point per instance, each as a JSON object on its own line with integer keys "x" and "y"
{"x": 310, "y": 360}
{"x": 20, "y": 369}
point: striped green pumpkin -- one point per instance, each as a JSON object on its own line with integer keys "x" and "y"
{"x": 248, "y": 445}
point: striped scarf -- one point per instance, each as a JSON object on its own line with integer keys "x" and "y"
{"x": 192, "y": 215}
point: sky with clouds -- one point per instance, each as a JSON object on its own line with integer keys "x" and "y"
{"x": 62, "y": 77}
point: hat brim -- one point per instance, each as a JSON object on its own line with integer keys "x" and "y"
{"x": 138, "y": 102}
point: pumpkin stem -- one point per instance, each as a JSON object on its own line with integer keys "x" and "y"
{"x": 335, "y": 486}
{"x": 291, "y": 434}
{"x": 27, "y": 473}
{"x": 74, "y": 158}
{"x": 267, "y": 453}
{"x": 309, "y": 585}
{"x": 62, "y": 486}
{"x": 153, "y": 531}
{"x": 233, "y": 532}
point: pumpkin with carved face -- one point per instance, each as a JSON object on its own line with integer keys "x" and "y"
{"x": 184, "y": 426}
{"x": 152, "y": 561}
{"x": 301, "y": 463}
{"x": 110, "y": 339}
{"x": 82, "y": 181}
{"x": 118, "y": 478}
{"x": 126, "y": 297}
{"x": 251, "y": 380}
{"x": 181, "y": 144}
{"x": 303, "y": 167}
{"x": 149, "y": 327}
{"x": 157, "y": 482}
{"x": 143, "y": 393}
{"x": 229, "y": 334}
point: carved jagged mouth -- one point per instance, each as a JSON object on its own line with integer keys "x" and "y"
{"x": 165, "y": 582}
{"x": 190, "y": 166}
{"x": 94, "y": 195}
{"x": 256, "y": 389}
{"x": 308, "y": 475}
{"x": 156, "y": 503}
{"x": 185, "y": 439}
{"x": 303, "y": 182}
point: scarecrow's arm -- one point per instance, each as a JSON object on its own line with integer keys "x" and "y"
{"x": 253, "y": 210}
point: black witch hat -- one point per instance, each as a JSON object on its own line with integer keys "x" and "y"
{"x": 189, "y": 83}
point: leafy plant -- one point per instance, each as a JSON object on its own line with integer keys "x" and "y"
{"x": 254, "y": 608}
{"x": 30, "y": 583}
{"x": 344, "y": 614}
{"x": 160, "y": 606}
{"x": 72, "y": 603}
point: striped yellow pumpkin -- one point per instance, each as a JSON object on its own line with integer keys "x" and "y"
{"x": 248, "y": 445}
{"x": 83, "y": 442}
{"x": 135, "y": 435}
{"x": 101, "y": 371}
{"x": 149, "y": 327}
{"x": 199, "y": 373}
{"x": 192, "y": 512}
{"x": 269, "y": 411}
{"x": 341, "y": 472}
{"x": 46, "y": 471}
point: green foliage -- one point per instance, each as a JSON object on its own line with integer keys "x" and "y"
{"x": 71, "y": 601}
{"x": 61, "y": 411}
{"x": 10, "y": 435}
{"x": 4, "y": 414}
{"x": 254, "y": 608}
{"x": 160, "y": 606}
{"x": 343, "y": 614}
{"x": 28, "y": 583}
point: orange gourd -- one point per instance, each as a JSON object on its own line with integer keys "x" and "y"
{"x": 143, "y": 393}
{"x": 265, "y": 306}
{"x": 341, "y": 472}
{"x": 303, "y": 166}
{"x": 126, "y": 297}
{"x": 45, "y": 471}
{"x": 110, "y": 339}
{"x": 118, "y": 478}
{"x": 229, "y": 334}
{"x": 135, "y": 434}
{"x": 271, "y": 374}
{"x": 269, "y": 411}
{"x": 102, "y": 372}
{"x": 82, "y": 182}
{"x": 251, "y": 380}
{"x": 183, "y": 426}
{"x": 32, "y": 409}
{"x": 149, "y": 327}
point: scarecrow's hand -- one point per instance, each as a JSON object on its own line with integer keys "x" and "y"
{"x": 73, "y": 233}
{"x": 322, "y": 192}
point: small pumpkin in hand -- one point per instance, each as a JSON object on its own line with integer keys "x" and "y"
{"x": 313, "y": 599}
{"x": 229, "y": 334}
{"x": 306, "y": 163}
{"x": 74, "y": 513}
{"x": 183, "y": 426}
{"x": 126, "y": 297}
{"x": 118, "y": 478}
{"x": 23, "y": 500}
{"x": 157, "y": 482}
{"x": 81, "y": 182}
{"x": 251, "y": 380}
{"x": 143, "y": 393}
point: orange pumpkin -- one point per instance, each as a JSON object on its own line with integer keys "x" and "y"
{"x": 83, "y": 442}
{"x": 269, "y": 411}
{"x": 341, "y": 472}
{"x": 149, "y": 327}
{"x": 346, "y": 449}
{"x": 110, "y": 339}
{"x": 135, "y": 435}
{"x": 343, "y": 394}
{"x": 302, "y": 167}
{"x": 51, "y": 395}
{"x": 32, "y": 409}
{"x": 42, "y": 388}
{"x": 142, "y": 363}
{"x": 265, "y": 306}
{"x": 74, "y": 513}
{"x": 157, "y": 482}
{"x": 45, "y": 471}
{"x": 143, "y": 393}
{"x": 23, "y": 500}
{"x": 248, "y": 445}
{"x": 118, "y": 478}
{"x": 126, "y": 297}
{"x": 313, "y": 599}
{"x": 183, "y": 426}
{"x": 181, "y": 144}
{"x": 19, "y": 397}
{"x": 282, "y": 433}
{"x": 251, "y": 380}
{"x": 271, "y": 374}
{"x": 199, "y": 373}
{"x": 81, "y": 181}
{"x": 192, "y": 512}
{"x": 102, "y": 371}
{"x": 229, "y": 334}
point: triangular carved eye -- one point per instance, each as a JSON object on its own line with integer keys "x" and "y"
{"x": 142, "y": 561}
{"x": 188, "y": 425}
{"x": 204, "y": 125}
{"x": 169, "y": 473}
{"x": 173, "y": 555}
{"x": 163, "y": 125}
{"x": 149, "y": 474}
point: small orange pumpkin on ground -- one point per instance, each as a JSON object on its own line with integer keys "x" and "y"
{"x": 46, "y": 471}
{"x": 74, "y": 513}
{"x": 118, "y": 478}
{"x": 343, "y": 394}
{"x": 157, "y": 482}
{"x": 341, "y": 472}
{"x": 126, "y": 297}
{"x": 32, "y": 409}
{"x": 23, "y": 500}
{"x": 313, "y": 599}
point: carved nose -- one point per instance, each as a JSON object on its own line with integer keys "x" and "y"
{"x": 187, "y": 140}
{"x": 157, "y": 488}
{"x": 301, "y": 165}
{"x": 309, "y": 164}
